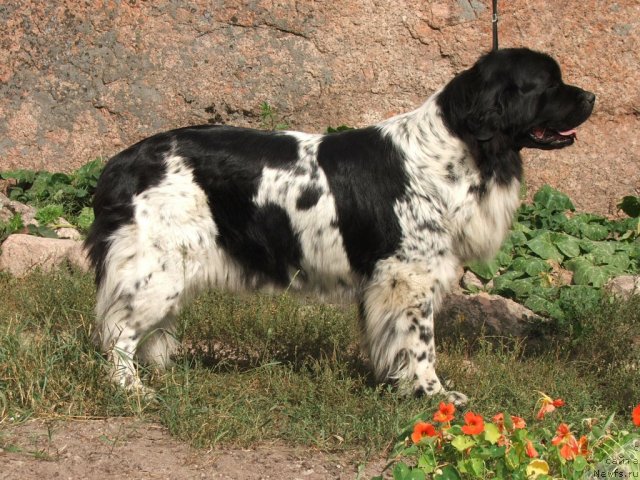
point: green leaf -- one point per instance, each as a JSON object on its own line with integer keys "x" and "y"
{"x": 401, "y": 471}
{"x": 630, "y": 205}
{"x": 448, "y": 473}
{"x": 594, "y": 231}
{"x": 536, "y": 266}
{"x": 463, "y": 442}
{"x": 543, "y": 246}
{"x": 485, "y": 270}
{"x": 491, "y": 433}
{"x": 15, "y": 223}
{"x": 493, "y": 451}
{"x": 585, "y": 273}
{"x": 416, "y": 474}
{"x": 517, "y": 287}
{"x": 598, "y": 248}
{"x": 568, "y": 245}
{"x": 41, "y": 231}
{"x": 22, "y": 176}
{"x": 427, "y": 462}
{"x": 517, "y": 237}
{"x": 512, "y": 458}
{"x": 340, "y": 128}
{"x": 85, "y": 218}
{"x": 579, "y": 463}
{"x": 49, "y": 214}
{"x": 473, "y": 466}
{"x": 579, "y": 298}
{"x": 503, "y": 257}
{"x": 543, "y": 306}
{"x": 552, "y": 200}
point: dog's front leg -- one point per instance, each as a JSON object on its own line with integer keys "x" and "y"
{"x": 397, "y": 310}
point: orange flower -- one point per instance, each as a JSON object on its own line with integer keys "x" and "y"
{"x": 548, "y": 405}
{"x": 498, "y": 419}
{"x": 570, "y": 446}
{"x": 504, "y": 441}
{"x": 444, "y": 413}
{"x": 635, "y": 415}
{"x": 474, "y": 424}
{"x": 562, "y": 433}
{"x": 530, "y": 450}
{"x": 567, "y": 452}
{"x": 421, "y": 430}
{"x": 518, "y": 422}
{"x": 583, "y": 446}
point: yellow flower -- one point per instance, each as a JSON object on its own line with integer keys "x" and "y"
{"x": 536, "y": 468}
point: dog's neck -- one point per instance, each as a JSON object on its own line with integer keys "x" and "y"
{"x": 423, "y": 134}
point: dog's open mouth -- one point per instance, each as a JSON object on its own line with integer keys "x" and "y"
{"x": 552, "y": 137}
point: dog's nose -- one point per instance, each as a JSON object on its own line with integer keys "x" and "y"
{"x": 589, "y": 97}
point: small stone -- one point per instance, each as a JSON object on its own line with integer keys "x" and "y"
{"x": 21, "y": 254}
{"x": 624, "y": 286}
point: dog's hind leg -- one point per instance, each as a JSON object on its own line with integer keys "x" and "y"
{"x": 397, "y": 309}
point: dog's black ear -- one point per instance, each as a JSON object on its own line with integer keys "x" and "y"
{"x": 485, "y": 118}
{"x": 472, "y": 106}
{"x": 484, "y": 123}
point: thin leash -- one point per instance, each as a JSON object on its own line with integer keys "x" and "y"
{"x": 494, "y": 21}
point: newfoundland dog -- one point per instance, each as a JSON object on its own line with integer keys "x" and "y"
{"x": 387, "y": 212}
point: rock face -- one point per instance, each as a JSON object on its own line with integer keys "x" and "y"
{"x": 485, "y": 314}
{"x": 78, "y": 81}
{"x": 21, "y": 254}
{"x": 624, "y": 286}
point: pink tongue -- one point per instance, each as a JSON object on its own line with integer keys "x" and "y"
{"x": 566, "y": 133}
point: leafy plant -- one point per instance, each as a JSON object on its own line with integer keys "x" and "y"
{"x": 554, "y": 260}
{"x": 270, "y": 119}
{"x": 13, "y": 225}
{"x": 57, "y": 194}
{"x": 446, "y": 448}
{"x": 49, "y": 214}
{"x": 339, "y": 128}
{"x": 630, "y": 205}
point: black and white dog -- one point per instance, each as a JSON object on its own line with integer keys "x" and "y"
{"x": 388, "y": 211}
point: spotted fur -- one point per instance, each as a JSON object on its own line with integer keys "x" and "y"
{"x": 387, "y": 212}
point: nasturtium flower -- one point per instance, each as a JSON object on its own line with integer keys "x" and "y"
{"x": 548, "y": 405}
{"x": 474, "y": 424}
{"x": 635, "y": 415}
{"x": 518, "y": 422}
{"x": 583, "y": 446}
{"x": 498, "y": 419}
{"x": 421, "y": 430}
{"x": 562, "y": 434}
{"x": 567, "y": 452}
{"x": 537, "y": 468}
{"x": 569, "y": 446}
{"x": 444, "y": 413}
{"x": 530, "y": 450}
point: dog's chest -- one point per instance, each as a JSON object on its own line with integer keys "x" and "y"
{"x": 482, "y": 221}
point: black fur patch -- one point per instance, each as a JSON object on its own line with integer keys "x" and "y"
{"x": 127, "y": 174}
{"x": 227, "y": 163}
{"x": 308, "y": 197}
{"x": 366, "y": 176}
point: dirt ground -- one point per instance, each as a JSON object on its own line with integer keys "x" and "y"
{"x": 119, "y": 448}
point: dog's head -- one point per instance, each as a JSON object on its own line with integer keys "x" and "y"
{"x": 515, "y": 98}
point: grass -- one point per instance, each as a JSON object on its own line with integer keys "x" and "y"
{"x": 259, "y": 368}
